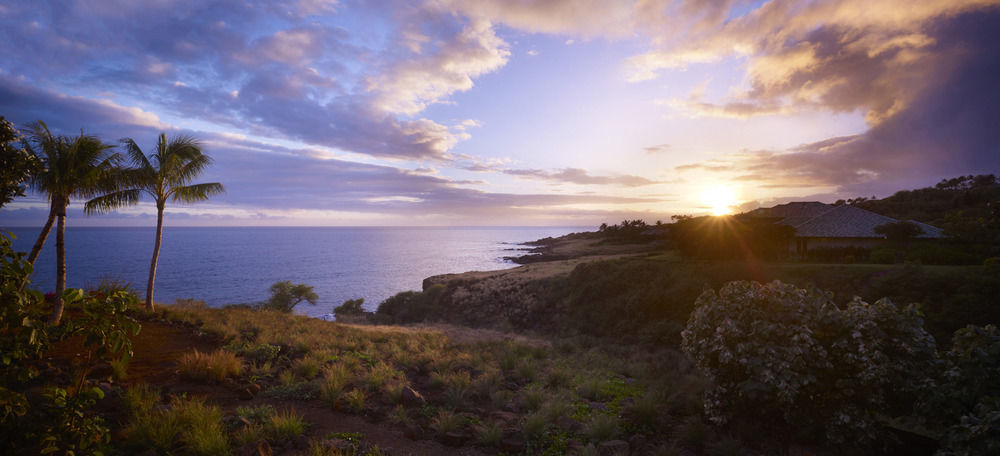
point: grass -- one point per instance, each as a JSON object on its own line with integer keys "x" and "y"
{"x": 284, "y": 425}
{"x": 489, "y": 433}
{"x": 359, "y": 369}
{"x": 192, "y": 423}
{"x": 355, "y": 401}
{"x": 447, "y": 421}
{"x": 210, "y": 367}
{"x": 602, "y": 427}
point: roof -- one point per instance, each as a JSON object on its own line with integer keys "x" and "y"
{"x": 815, "y": 219}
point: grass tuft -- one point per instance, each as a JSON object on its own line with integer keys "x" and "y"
{"x": 210, "y": 367}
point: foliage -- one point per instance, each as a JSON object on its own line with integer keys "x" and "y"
{"x": 105, "y": 323}
{"x": 350, "y": 307}
{"x": 901, "y": 231}
{"x": 791, "y": 357}
{"x": 410, "y": 306}
{"x": 16, "y": 163}
{"x": 60, "y": 419}
{"x": 285, "y": 295}
{"x": 628, "y": 231}
{"x": 23, "y": 336}
{"x": 966, "y": 207}
{"x": 977, "y": 432}
{"x": 974, "y": 366}
{"x": 730, "y": 237}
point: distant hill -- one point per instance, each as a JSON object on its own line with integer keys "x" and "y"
{"x": 969, "y": 196}
{"x": 966, "y": 207}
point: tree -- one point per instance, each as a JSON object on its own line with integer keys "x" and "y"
{"x": 899, "y": 231}
{"x": 164, "y": 175}
{"x": 81, "y": 167}
{"x": 285, "y": 295}
{"x": 16, "y": 163}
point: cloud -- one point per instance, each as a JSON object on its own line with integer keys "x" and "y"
{"x": 408, "y": 85}
{"x": 66, "y": 114}
{"x": 574, "y": 17}
{"x": 271, "y": 68}
{"x": 872, "y": 56}
{"x": 580, "y": 177}
{"x": 948, "y": 128}
{"x": 657, "y": 149}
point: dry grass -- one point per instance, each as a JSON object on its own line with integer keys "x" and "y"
{"x": 210, "y": 367}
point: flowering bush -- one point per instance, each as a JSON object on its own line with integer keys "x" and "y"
{"x": 789, "y": 357}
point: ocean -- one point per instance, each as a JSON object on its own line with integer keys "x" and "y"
{"x": 222, "y": 265}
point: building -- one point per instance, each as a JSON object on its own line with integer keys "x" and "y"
{"x": 819, "y": 225}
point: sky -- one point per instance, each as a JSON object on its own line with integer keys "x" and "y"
{"x": 513, "y": 112}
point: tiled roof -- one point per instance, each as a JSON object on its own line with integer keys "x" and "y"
{"x": 843, "y": 221}
{"x": 815, "y": 219}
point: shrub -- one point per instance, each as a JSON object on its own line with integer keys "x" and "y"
{"x": 789, "y": 356}
{"x": 350, "y": 307}
{"x": 410, "y": 306}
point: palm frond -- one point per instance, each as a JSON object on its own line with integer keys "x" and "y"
{"x": 191, "y": 168}
{"x": 115, "y": 200}
{"x": 197, "y": 192}
{"x": 135, "y": 154}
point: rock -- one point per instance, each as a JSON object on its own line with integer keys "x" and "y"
{"x": 454, "y": 438}
{"x": 574, "y": 447}
{"x": 339, "y": 445}
{"x": 506, "y": 417}
{"x": 512, "y": 440}
{"x": 258, "y": 448}
{"x": 411, "y": 398}
{"x": 245, "y": 394}
{"x": 568, "y": 424}
{"x": 613, "y": 448}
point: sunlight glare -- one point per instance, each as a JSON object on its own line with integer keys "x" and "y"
{"x": 720, "y": 199}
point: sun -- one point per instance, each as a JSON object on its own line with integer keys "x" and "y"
{"x": 720, "y": 199}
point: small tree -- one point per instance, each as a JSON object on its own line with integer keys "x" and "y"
{"x": 16, "y": 163}
{"x": 285, "y": 295}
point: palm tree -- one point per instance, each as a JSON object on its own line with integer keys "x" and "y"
{"x": 165, "y": 174}
{"x": 79, "y": 167}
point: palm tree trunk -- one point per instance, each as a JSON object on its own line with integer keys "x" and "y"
{"x": 40, "y": 242}
{"x": 57, "y": 311}
{"x": 156, "y": 254}
{"x": 37, "y": 249}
